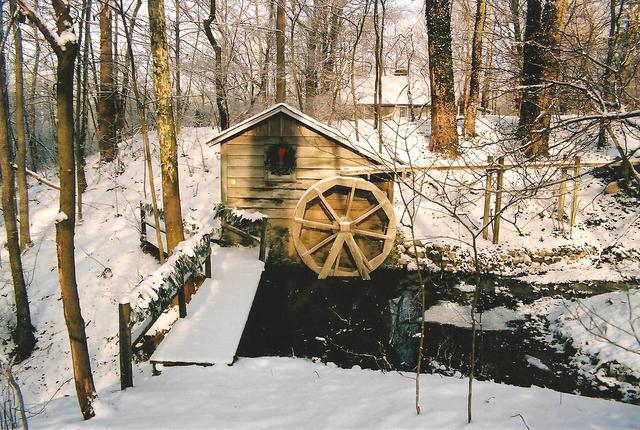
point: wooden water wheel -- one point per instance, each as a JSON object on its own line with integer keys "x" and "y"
{"x": 344, "y": 227}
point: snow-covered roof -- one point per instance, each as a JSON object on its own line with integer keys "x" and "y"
{"x": 394, "y": 90}
{"x": 306, "y": 120}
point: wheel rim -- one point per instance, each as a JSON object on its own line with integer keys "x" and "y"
{"x": 355, "y": 234}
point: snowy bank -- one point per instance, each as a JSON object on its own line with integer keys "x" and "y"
{"x": 286, "y": 393}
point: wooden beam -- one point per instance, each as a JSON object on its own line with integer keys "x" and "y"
{"x": 124, "y": 337}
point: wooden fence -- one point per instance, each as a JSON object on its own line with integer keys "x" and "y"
{"x": 498, "y": 170}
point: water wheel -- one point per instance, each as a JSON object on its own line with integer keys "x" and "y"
{"x": 344, "y": 227}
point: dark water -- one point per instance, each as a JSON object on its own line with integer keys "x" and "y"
{"x": 373, "y": 324}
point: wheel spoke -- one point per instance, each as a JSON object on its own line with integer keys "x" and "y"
{"x": 371, "y": 234}
{"x": 361, "y": 261}
{"x": 336, "y": 248}
{"x": 368, "y": 213}
{"x": 350, "y": 201}
{"x": 316, "y": 224}
{"x": 327, "y": 206}
{"x": 320, "y": 244}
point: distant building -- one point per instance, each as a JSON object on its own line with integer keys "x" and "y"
{"x": 400, "y": 93}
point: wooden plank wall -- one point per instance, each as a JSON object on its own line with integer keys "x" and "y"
{"x": 244, "y": 181}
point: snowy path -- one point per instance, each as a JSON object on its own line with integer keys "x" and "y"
{"x": 217, "y": 313}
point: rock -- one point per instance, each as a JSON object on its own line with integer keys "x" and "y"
{"x": 612, "y": 188}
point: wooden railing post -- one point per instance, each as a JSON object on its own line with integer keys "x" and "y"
{"x": 124, "y": 336}
{"x": 182, "y": 301}
{"x": 562, "y": 195}
{"x": 207, "y": 264}
{"x": 498, "y": 206}
{"x": 487, "y": 200}
{"x": 263, "y": 240}
{"x": 574, "y": 197}
{"x": 143, "y": 224}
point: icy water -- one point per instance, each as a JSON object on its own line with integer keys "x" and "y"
{"x": 374, "y": 325}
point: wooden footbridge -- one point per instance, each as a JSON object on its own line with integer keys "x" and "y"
{"x": 218, "y": 312}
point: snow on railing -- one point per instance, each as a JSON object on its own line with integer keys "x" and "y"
{"x": 154, "y": 293}
{"x": 141, "y": 308}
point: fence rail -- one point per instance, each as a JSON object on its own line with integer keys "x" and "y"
{"x": 498, "y": 169}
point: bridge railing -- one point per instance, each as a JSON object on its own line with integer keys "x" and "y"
{"x": 139, "y": 310}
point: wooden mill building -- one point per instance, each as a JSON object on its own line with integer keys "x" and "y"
{"x": 287, "y": 166}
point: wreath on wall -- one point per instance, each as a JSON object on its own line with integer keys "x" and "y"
{"x": 281, "y": 159}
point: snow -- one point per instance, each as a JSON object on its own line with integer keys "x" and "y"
{"x": 447, "y": 312}
{"x": 107, "y": 238}
{"x": 67, "y": 36}
{"x": 243, "y": 214}
{"x": 287, "y": 393}
{"x": 394, "y": 90}
{"x": 61, "y": 217}
{"x": 606, "y": 326}
{"x": 217, "y": 313}
{"x": 146, "y": 291}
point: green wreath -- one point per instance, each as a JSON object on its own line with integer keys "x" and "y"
{"x": 281, "y": 159}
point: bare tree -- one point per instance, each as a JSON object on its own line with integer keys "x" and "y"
{"x": 65, "y": 46}
{"x": 21, "y": 136}
{"x": 107, "y": 141}
{"x": 540, "y": 68}
{"x": 221, "y": 95}
{"x": 23, "y": 332}
{"x": 165, "y": 125}
{"x": 281, "y": 76}
{"x": 469, "y": 128}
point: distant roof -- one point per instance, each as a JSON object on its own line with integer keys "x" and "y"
{"x": 394, "y": 90}
{"x": 306, "y": 120}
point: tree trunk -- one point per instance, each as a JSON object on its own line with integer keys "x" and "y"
{"x": 329, "y": 73}
{"x": 352, "y": 78}
{"x": 21, "y": 138}
{"x": 378, "y": 77}
{"x": 281, "y": 79}
{"x": 84, "y": 106}
{"x": 469, "y": 129}
{"x": 23, "y": 333}
{"x": 514, "y": 6}
{"x": 263, "y": 89}
{"x": 65, "y": 222}
{"x": 310, "y": 71}
{"x": 444, "y": 133}
{"x": 488, "y": 76}
{"x": 107, "y": 96}
{"x": 464, "y": 96}
{"x": 144, "y": 127}
{"x": 540, "y": 66}
{"x": 178, "y": 104}
{"x": 221, "y": 93}
{"x": 165, "y": 125}
{"x": 607, "y": 76}
{"x": 65, "y": 231}
{"x": 31, "y": 106}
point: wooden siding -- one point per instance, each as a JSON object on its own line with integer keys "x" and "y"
{"x": 243, "y": 175}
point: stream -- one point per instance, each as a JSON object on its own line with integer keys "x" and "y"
{"x": 375, "y": 324}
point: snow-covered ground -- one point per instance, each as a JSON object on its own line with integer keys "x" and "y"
{"x": 287, "y": 393}
{"x": 605, "y": 331}
{"x": 257, "y": 392}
